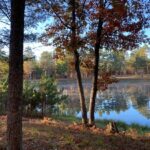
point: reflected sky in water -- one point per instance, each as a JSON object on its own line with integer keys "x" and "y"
{"x": 127, "y": 101}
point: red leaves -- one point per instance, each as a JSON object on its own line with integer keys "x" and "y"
{"x": 119, "y": 7}
{"x": 134, "y": 27}
{"x": 122, "y": 23}
{"x": 105, "y": 79}
{"x": 59, "y": 53}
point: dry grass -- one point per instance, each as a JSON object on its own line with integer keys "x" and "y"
{"x": 60, "y": 135}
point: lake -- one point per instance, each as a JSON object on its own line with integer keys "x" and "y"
{"x": 127, "y": 101}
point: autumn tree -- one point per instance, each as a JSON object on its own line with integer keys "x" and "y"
{"x": 93, "y": 25}
{"x": 66, "y": 32}
{"x": 117, "y": 25}
{"x": 14, "y": 119}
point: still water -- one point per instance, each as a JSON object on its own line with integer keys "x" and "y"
{"x": 127, "y": 101}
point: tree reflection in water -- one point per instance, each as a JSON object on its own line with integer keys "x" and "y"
{"x": 119, "y": 98}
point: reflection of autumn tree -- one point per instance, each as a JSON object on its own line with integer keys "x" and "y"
{"x": 139, "y": 99}
{"x": 72, "y": 107}
{"x": 140, "y": 102}
{"x": 75, "y": 108}
{"x": 112, "y": 101}
{"x": 117, "y": 98}
{"x": 145, "y": 111}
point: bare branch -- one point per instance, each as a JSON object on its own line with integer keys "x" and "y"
{"x": 57, "y": 15}
{"x": 5, "y": 22}
{"x": 4, "y": 10}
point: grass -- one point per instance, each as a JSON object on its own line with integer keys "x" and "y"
{"x": 62, "y": 133}
{"x": 125, "y": 127}
{"x": 102, "y": 123}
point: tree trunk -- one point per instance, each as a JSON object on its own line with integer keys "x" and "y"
{"x": 80, "y": 88}
{"x": 112, "y": 128}
{"x": 77, "y": 66}
{"x": 14, "y": 113}
{"x": 95, "y": 76}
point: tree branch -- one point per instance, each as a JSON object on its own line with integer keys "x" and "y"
{"x": 57, "y": 15}
{"x": 4, "y": 11}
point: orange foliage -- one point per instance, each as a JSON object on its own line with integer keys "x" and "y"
{"x": 104, "y": 80}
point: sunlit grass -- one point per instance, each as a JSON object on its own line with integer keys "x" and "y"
{"x": 102, "y": 123}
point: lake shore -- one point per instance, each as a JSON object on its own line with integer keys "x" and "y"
{"x": 122, "y": 126}
{"x": 119, "y": 77}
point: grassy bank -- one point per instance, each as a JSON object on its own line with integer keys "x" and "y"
{"x": 133, "y": 77}
{"x": 102, "y": 124}
{"x": 119, "y": 77}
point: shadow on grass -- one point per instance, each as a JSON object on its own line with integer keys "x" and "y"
{"x": 64, "y": 135}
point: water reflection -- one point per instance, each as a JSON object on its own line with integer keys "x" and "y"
{"x": 127, "y": 101}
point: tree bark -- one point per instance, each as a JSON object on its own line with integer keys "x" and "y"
{"x": 77, "y": 66}
{"x": 80, "y": 88}
{"x": 95, "y": 76}
{"x": 14, "y": 113}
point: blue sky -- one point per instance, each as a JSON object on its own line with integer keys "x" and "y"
{"x": 38, "y": 48}
{"x": 147, "y": 31}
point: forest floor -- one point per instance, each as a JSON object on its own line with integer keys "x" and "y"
{"x": 56, "y": 134}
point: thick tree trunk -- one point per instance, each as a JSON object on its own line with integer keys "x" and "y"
{"x": 77, "y": 66}
{"x": 14, "y": 114}
{"x": 80, "y": 88}
{"x": 95, "y": 76}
